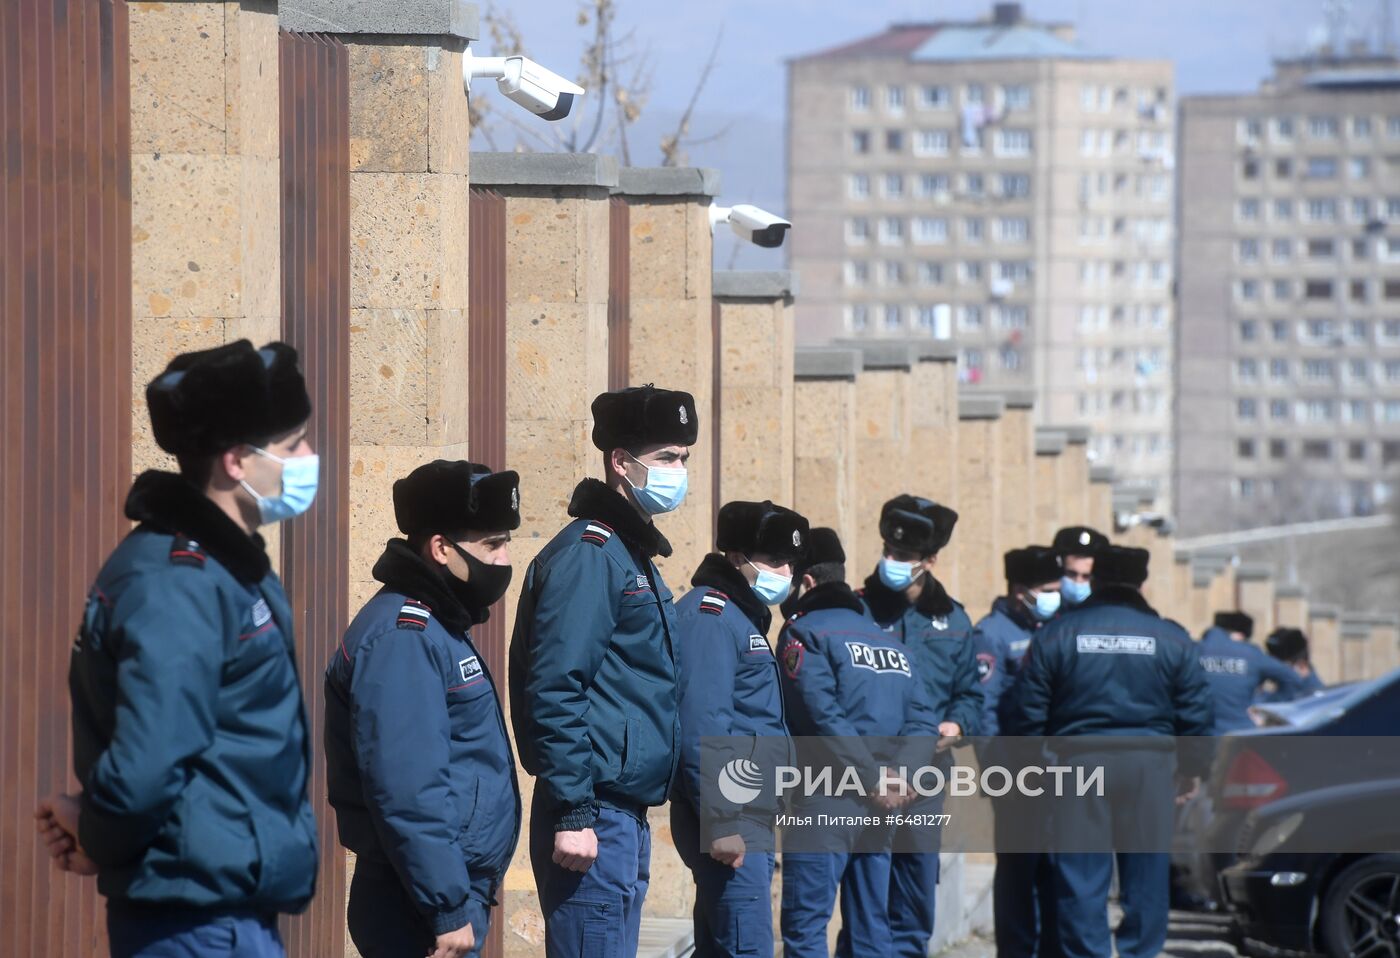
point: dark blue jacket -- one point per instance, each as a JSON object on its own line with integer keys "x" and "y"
{"x": 1234, "y": 672}
{"x": 419, "y": 767}
{"x": 1112, "y": 667}
{"x": 728, "y": 675}
{"x": 593, "y": 688}
{"x": 938, "y": 632}
{"x": 1000, "y": 641}
{"x": 1309, "y": 684}
{"x": 189, "y": 732}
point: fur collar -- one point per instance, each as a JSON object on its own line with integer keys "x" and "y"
{"x": 886, "y": 604}
{"x": 595, "y": 500}
{"x": 1106, "y": 595}
{"x": 715, "y": 572}
{"x": 828, "y": 595}
{"x": 1016, "y": 611}
{"x": 403, "y": 570}
{"x": 166, "y": 502}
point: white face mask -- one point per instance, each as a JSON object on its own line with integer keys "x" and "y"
{"x": 770, "y": 587}
{"x": 664, "y": 489}
{"x": 300, "y": 477}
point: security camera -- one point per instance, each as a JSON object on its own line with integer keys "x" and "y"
{"x": 759, "y": 227}
{"x": 543, "y": 92}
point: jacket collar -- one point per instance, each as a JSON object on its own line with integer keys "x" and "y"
{"x": 1110, "y": 595}
{"x": 1216, "y": 634}
{"x": 1016, "y": 612}
{"x": 403, "y": 570}
{"x": 171, "y": 504}
{"x": 595, "y": 500}
{"x": 828, "y": 595}
{"x": 886, "y": 604}
{"x": 715, "y": 572}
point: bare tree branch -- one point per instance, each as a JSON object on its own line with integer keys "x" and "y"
{"x": 671, "y": 144}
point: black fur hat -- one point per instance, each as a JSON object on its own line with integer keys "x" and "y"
{"x": 1235, "y": 622}
{"x": 442, "y": 496}
{"x": 1079, "y": 541}
{"x": 917, "y": 524}
{"x": 643, "y": 415}
{"x": 1120, "y": 564}
{"x": 751, "y": 527}
{"x": 1031, "y": 566}
{"x": 1288, "y": 645}
{"x": 823, "y": 546}
{"x": 211, "y": 400}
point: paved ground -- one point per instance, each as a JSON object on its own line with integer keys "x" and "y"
{"x": 1191, "y": 936}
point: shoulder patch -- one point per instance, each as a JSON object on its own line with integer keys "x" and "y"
{"x": 713, "y": 602}
{"x": 986, "y": 666}
{"x": 185, "y": 551}
{"x": 414, "y": 615}
{"x": 792, "y": 657}
{"x": 597, "y": 533}
{"x": 758, "y": 643}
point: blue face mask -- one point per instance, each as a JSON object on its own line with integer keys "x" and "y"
{"x": 1045, "y": 606}
{"x": 770, "y": 587}
{"x": 664, "y": 490}
{"x": 1074, "y": 592}
{"x": 896, "y": 575}
{"x": 300, "y": 476}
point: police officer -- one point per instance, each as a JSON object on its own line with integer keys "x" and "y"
{"x": 419, "y": 768}
{"x": 1023, "y": 887}
{"x": 1076, "y": 546}
{"x": 1123, "y": 678}
{"x": 189, "y": 732}
{"x": 729, "y": 687}
{"x": 1236, "y": 670}
{"x": 906, "y": 600}
{"x": 843, "y": 677}
{"x": 593, "y": 684}
{"x": 1290, "y": 646}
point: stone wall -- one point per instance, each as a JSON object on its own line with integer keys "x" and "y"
{"x": 883, "y": 431}
{"x": 933, "y": 437}
{"x": 824, "y": 464}
{"x": 978, "y": 542}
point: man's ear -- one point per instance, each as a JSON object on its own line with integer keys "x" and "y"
{"x": 228, "y": 466}
{"x": 617, "y": 463}
{"x": 808, "y": 582}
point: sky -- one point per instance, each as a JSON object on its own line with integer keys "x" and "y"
{"x": 1218, "y": 46}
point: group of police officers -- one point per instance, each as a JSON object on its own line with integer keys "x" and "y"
{"x": 191, "y": 740}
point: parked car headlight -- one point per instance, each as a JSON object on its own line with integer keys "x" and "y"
{"x": 1273, "y": 835}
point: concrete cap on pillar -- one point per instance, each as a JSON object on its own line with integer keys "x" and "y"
{"x": 667, "y": 181}
{"x": 1049, "y": 442}
{"x": 1375, "y": 618}
{"x": 883, "y": 353}
{"x": 543, "y": 169}
{"x": 1018, "y": 398}
{"x": 1290, "y": 592}
{"x": 1324, "y": 612}
{"x": 1074, "y": 435}
{"x": 823, "y": 362}
{"x": 1101, "y": 473}
{"x": 1355, "y": 628}
{"x": 753, "y": 283}
{"x": 443, "y": 18}
{"x": 1254, "y": 571}
{"x": 981, "y": 406}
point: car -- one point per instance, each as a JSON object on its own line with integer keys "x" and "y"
{"x": 1319, "y": 873}
{"x": 1285, "y": 756}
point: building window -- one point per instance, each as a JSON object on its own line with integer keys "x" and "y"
{"x": 1392, "y": 127}
{"x": 1278, "y": 449}
{"x": 970, "y": 317}
{"x": 1016, "y": 97}
{"x": 930, "y": 272}
{"x": 1359, "y": 330}
{"x": 1013, "y": 229}
{"x": 928, "y": 317}
{"x": 894, "y": 186}
{"x": 858, "y": 230}
{"x": 1249, "y": 131}
{"x": 894, "y": 141}
{"x": 1318, "y": 370}
{"x": 1244, "y": 488}
{"x": 1010, "y": 358}
{"x": 1249, "y": 210}
{"x": 893, "y": 273}
{"x": 933, "y": 184}
{"x": 891, "y": 231}
{"x": 1359, "y": 167}
{"x": 1361, "y": 127}
{"x": 1015, "y": 185}
{"x": 1390, "y": 329}
{"x": 933, "y": 97}
{"x": 1247, "y": 409}
{"x": 972, "y": 229}
{"x": 894, "y": 99}
{"x": 973, "y": 184}
{"x": 1390, "y": 410}
{"x": 1360, "y": 208}
{"x": 1392, "y": 370}
{"x": 1282, "y": 290}
{"x": 1244, "y": 448}
{"x": 1013, "y": 142}
{"x": 930, "y": 229}
{"x": 1283, "y": 168}
{"x": 1281, "y": 250}
{"x": 1247, "y": 371}
{"x": 1358, "y": 370}
{"x": 1278, "y": 370}
{"x": 860, "y": 141}
{"x": 1283, "y": 210}
{"x": 1248, "y": 250}
{"x": 1012, "y": 315}
{"x": 1390, "y": 452}
{"x": 1317, "y": 289}
{"x": 973, "y": 94}
{"x": 1321, "y": 168}
{"x": 1317, "y": 449}
{"x": 1321, "y": 249}
{"x": 858, "y": 316}
{"x": 858, "y": 186}
{"x": 860, "y": 98}
{"x": 1322, "y": 127}
{"x": 1283, "y": 128}
{"x": 1357, "y": 290}
{"x": 1278, "y": 329}
{"x": 1278, "y": 410}
{"x": 1249, "y": 168}
{"x": 1322, "y": 210}
{"x": 970, "y": 271}
{"x": 1391, "y": 289}
{"x": 1317, "y": 410}
{"x": 931, "y": 143}
{"x": 1356, "y": 451}
{"x": 1248, "y": 290}
{"x": 1249, "y": 331}
{"x": 1319, "y": 330}
{"x": 1014, "y": 271}
{"x": 857, "y": 273}
{"x": 893, "y": 317}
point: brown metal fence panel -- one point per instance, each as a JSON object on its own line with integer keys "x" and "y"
{"x": 315, "y": 109}
{"x": 65, "y": 412}
{"x": 716, "y": 409}
{"x": 619, "y": 291}
{"x": 486, "y": 405}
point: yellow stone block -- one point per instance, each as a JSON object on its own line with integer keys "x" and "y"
{"x": 556, "y": 359}
{"x": 177, "y": 78}
{"x": 408, "y": 240}
{"x": 389, "y": 107}
{"x": 449, "y": 131}
{"x": 546, "y": 230}
{"x": 251, "y": 96}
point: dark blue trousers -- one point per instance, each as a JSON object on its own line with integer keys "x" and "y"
{"x": 384, "y": 922}
{"x": 914, "y": 878}
{"x": 597, "y": 913}
{"x": 810, "y": 882}
{"x": 733, "y": 906}
{"x": 1023, "y": 905}
{"x": 144, "y": 931}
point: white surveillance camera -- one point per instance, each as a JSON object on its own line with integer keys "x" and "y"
{"x": 543, "y": 92}
{"x": 759, "y": 227}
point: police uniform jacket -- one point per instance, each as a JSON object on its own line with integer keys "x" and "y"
{"x": 189, "y": 731}
{"x": 419, "y": 767}
{"x": 1235, "y": 671}
{"x": 937, "y": 631}
{"x": 1000, "y": 642}
{"x": 593, "y": 685}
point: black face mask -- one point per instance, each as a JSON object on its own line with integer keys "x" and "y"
{"x": 486, "y": 585}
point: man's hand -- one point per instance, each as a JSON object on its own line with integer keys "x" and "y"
{"x": 893, "y": 792}
{"x": 728, "y": 850}
{"x": 576, "y": 851}
{"x": 1186, "y": 789}
{"x": 56, "y": 820}
{"x": 454, "y": 944}
{"x": 948, "y": 734}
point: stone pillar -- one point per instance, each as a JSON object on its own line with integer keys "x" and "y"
{"x": 824, "y": 465}
{"x": 1101, "y": 512}
{"x": 882, "y": 445}
{"x": 1074, "y": 477}
{"x": 1384, "y": 653}
{"x": 755, "y": 402}
{"x": 1045, "y": 484}
{"x": 978, "y": 538}
{"x": 1355, "y": 642}
{"x": 671, "y": 341}
{"x": 205, "y": 188}
{"x": 1017, "y": 465}
{"x": 1255, "y": 596}
{"x": 1291, "y": 607}
{"x": 1181, "y": 592}
{"x": 1201, "y": 609}
{"x": 933, "y": 440}
{"x": 1161, "y": 580}
{"x": 1324, "y": 642}
{"x": 1223, "y": 590}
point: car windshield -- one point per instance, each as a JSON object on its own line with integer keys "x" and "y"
{"x": 1327, "y": 704}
